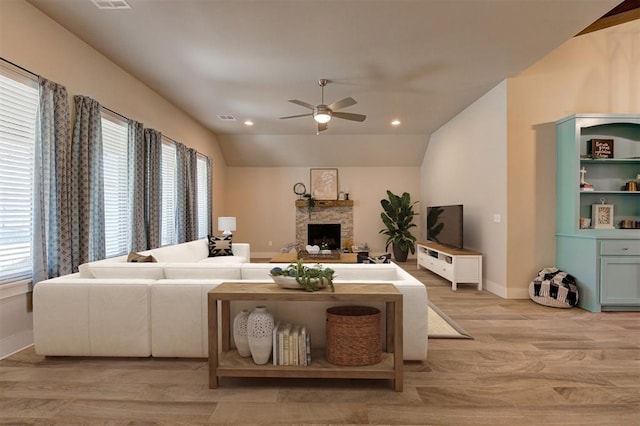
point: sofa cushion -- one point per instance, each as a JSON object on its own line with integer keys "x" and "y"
{"x": 224, "y": 259}
{"x": 220, "y": 246}
{"x": 225, "y": 271}
{"x": 151, "y": 271}
{"x": 134, "y": 257}
{"x": 193, "y": 251}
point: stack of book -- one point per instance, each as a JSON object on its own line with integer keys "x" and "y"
{"x": 586, "y": 187}
{"x": 291, "y": 345}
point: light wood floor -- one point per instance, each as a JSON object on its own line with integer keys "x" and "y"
{"x": 528, "y": 365}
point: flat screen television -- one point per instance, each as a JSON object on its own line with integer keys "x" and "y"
{"x": 444, "y": 225}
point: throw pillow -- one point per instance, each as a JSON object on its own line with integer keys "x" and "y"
{"x": 220, "y": 246}
{"x": 140, "y": 258}
{"x": 385, "y": 258}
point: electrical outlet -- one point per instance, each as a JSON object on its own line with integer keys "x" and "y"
{"x": 497, "y": 218}
{"x": 270, "y": 243}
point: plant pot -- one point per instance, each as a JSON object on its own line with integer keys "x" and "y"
{"x": 400, "y": 255}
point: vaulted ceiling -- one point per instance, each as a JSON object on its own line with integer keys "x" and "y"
{"x": 421, "y": 62}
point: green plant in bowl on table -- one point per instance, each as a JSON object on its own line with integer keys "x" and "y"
{"x": 309, "y": 278}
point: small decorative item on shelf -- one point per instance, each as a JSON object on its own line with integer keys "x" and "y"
{"x": 260, "y": 334}
{"x": 300, "y": 276}
{"x": 585, "y": 223}
{"x": 240, "y": 333}
{"x": 584, "y": 186}
{"x": 602, "y": 215}
{"x": 600, "y": 148}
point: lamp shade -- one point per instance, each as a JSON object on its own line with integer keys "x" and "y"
{"x": 226, "y": 224}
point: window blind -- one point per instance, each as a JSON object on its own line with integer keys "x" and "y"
{"x": 18, "y": 111}
{"x": 169, "y": 164}
{"x": 116, "y": 184}
{"x": 203, "y": 198}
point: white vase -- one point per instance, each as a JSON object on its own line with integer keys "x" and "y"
{"x": 259, "y": 334}
{"x": 240, "y": 333}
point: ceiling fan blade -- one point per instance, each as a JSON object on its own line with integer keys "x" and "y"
{"x": 296, "y": 116}
{"x": 323, "y": 126}
{"x": 346, "y": 102}
{"x": 302, "y": 103}
{"x": 349, "y": 116}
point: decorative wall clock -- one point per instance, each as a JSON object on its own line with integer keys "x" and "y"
{"x": 299, "y": 189}
{"x": 602, "y": 215}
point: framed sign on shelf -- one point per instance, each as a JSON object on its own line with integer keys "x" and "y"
{"x": 324, "y": 184}
{"x": 602, "y": 216}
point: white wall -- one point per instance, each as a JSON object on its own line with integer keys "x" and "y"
{"x": 32, "y": 40}
{"x": 465, "y": 163}
{"x": 262, "y": 199}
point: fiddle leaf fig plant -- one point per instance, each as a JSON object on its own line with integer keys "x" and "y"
{"x": 397, "y": 216}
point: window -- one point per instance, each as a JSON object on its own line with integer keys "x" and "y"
{"x": 168, "y": 233}
{"x": 117, "y": 221}
{"x": 18, "y": 111}
{"x": 203, "y": 197}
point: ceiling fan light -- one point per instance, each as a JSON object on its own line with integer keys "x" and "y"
{"x": 322, "y": 117}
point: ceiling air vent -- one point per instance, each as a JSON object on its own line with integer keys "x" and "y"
{"x": 224, "y": 117}
{"x": 111, "y": 4}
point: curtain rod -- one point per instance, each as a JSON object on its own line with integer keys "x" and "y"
{"x": 114, "y": 112}
{"x": 19, "y": 67}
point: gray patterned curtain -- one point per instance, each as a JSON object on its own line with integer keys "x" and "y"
{"x": 153, "y": 202}
{"x": 52, "y": 218}
{"x": 186, "y": 199}
{"x": 137, "y": 196}
{"x": 181, "y": 192}
{"x": 191, "y": 195}
{"x": 87, "y": 185}
{"x": 210, "y": 195}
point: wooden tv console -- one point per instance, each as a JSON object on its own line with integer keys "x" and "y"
{"x": 457, "y": 266}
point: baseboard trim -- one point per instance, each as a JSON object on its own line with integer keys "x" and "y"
{"x": 506, "y": 292}
{"x": 15, "y": 343}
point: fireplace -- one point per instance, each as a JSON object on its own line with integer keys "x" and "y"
{"x": 324, "y": 233}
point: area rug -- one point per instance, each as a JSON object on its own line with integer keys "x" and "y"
{"x": 443, "y": 327}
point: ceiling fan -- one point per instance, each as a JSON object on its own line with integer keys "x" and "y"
{"x": 323, "y": 113}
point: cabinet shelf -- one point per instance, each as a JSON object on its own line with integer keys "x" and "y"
{"x": 610, "y": 160}
{"x": 231, "y": 364}
{"x": 611, "y": 192}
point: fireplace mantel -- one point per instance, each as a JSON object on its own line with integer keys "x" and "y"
{"x": 325, "y": 203}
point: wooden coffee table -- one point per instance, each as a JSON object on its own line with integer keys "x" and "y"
{"x": 228, "y": 363}
{"x": 292, "y": 257}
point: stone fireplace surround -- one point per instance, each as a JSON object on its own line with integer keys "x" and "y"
{"x": 324, "y": 213}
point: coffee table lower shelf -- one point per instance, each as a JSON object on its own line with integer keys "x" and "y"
{"x": 231, "y": 364}
{"x": 227, "y": 363}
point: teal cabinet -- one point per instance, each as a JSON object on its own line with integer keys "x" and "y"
{"x": 605, "y": 259}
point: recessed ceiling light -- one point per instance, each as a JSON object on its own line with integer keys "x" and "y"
{"x": 248, "y": 123}
{"x": 111, "y": 4}
{"x": 396, "y": 123}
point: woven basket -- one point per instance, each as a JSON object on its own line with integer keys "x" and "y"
{"x": 354, "y": 335}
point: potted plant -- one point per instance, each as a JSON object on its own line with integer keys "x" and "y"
{"x": 398, "y": 218}
{"x": 299, "y": 275}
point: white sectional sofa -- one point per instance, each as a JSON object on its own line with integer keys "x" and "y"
{"x": 114, "y": 308}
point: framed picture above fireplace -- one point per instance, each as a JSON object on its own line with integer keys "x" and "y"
{"x": 324, "y": 184}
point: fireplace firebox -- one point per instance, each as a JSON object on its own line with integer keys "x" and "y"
{"x": 328, "y": 233}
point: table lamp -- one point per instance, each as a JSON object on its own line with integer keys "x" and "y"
{"x": 226, "y": 225}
